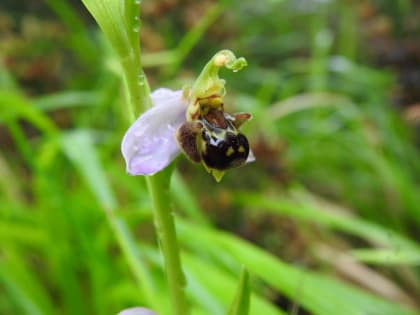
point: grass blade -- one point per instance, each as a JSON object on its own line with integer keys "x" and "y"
{"x": 240, "y": 304}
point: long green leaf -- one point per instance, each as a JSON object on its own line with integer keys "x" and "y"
{"x": 318, "y": 293}
{"x": 23, "y": 286}
{"x": 212, "y": 287}
{"x": 304, "y": 208}
{"x": 387, "y": 256}
{"x": 67, "y": 99}
{"x": 78, "y": 146}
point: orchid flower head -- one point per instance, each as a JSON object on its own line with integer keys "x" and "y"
{"x": 192, "y": 121}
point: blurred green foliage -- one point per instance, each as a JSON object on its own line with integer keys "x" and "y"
{"x": 326, "y": 220}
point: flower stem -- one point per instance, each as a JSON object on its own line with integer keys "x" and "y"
{"x": 158, "y": 186}
{"x": 120, "y": 22}
{"x": 164, "y": 221}
{"x": 136, "y": 85}
{"x": 138, "y": 93}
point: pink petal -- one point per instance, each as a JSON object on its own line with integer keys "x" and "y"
{"x": 149, "y": 145}
{"x": 136, "y": 311}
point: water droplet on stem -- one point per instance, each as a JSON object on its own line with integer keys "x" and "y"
{"x": 136, "y": 24}
{"x": 141, "y": 79}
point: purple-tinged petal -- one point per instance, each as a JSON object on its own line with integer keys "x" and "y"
{"x": 149, "y": 145}
{"x": 136, "y": 311}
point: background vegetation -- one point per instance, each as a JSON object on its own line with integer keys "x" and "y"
{"x": 326, "y": 220}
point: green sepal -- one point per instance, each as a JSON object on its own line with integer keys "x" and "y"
{"x": 240, "y": 304}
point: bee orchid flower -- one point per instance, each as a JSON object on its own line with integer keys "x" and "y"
{"x": 193, "y": 122}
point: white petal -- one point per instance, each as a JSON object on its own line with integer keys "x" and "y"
{"x": 251, "y": 157}
{"x": 162, "y": 96}
{"x": 136, "y": 311}
{"x": 149, "y": 145}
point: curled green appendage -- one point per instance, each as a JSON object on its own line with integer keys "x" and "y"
{"x": 227, "y": 59}
{"x": 208, "y": 82}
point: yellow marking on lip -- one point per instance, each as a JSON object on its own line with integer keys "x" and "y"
{"x": 230, "y": 151}
{"x": 211, "y": 102}
{"x": 217, "y": 174}
{"x": 203, "y": 147}
{"x": 241, "y": 149}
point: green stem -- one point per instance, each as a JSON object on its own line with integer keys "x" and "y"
{"x": 120, "y": 22}
{"x": 159, "y": 190}
{"x": 136, "y": 85}
{"x": 158, "y": 186}
{"x": 138, "y": 92}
